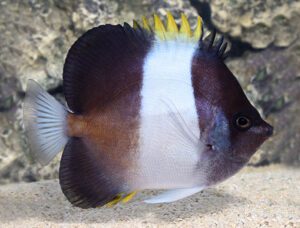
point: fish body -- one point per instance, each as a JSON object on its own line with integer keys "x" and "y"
{"x": 147, "y": 108}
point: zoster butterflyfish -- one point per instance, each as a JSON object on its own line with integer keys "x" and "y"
{"x": 147, "y": 107}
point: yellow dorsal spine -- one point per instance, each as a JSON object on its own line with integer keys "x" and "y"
{"x": 128, "y": 197}
{"x": 185, "y": 26}
{"x": 198, "y": 29}
{"x": 116, "y": 200}
{"x": 171, "y": 31}
{"x": 146, "y": 25}
{"x": 159, "y": 27}
{"x": 135, "y": 24}
{"x": 171, "y": 24}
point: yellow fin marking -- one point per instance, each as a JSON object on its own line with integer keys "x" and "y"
{"x": 159, "y": 27}
{"x": 146, "y": 25}
{"x": 172, "y": 29}
{"x": 135, "y": 24}
{"x": 198, "y": 29}
{"x": 171, "y": 24}
{"x": 185, "y": 26}
{"x": 128, "y": 197}
{"x": 116, "y": 200}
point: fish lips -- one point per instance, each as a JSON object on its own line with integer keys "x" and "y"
{"x": 265, "y": 129}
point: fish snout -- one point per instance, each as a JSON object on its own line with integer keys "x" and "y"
{"x": 267, "y": 129}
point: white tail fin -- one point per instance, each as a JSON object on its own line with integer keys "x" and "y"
{"x": 45, "y": 123}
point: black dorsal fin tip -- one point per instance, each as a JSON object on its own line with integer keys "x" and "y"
{"x": 212, "y": 39}
{"x": 225, "y": 55}
{"x": 208, "y": 46}
{"x": 202, "y": 33}
{"x": 219, "y": 44}
{"x": 137, "y": 36}
{"x": 222, "y": 50}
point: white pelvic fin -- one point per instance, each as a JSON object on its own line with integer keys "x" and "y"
{"x": 45, "y": 123}
{"x": 173, "y": 195}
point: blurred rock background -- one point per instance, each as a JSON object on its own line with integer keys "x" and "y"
{"x": 35, "y": 36}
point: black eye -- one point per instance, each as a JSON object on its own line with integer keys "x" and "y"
{"x": 242, "y": 122}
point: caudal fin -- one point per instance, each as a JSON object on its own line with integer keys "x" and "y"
{"x": 45, "y": 123}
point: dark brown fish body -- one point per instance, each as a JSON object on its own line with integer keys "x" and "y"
{"x": 220, "y": 100}
{"x": 145, "y": 111}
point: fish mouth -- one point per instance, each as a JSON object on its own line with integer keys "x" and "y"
{"x": 267, "y": 130}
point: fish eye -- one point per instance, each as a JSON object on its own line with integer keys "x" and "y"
{"x": 242, "y": 122}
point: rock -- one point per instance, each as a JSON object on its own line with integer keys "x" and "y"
{"x": 259, "y": 23}
{"x": 253, "y": 198}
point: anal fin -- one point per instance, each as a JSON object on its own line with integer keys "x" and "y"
{"x": 124, "y": 198}
{"x": 86, "y": 177}
{"x": 173, "y": 195}
{"x": 128, "y": 197}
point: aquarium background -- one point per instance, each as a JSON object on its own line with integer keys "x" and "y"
{"x": 265, "y": 56}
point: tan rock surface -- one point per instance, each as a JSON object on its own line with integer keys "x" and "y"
{"x": 267, "y": 197}
{"x": 259, "y": 23}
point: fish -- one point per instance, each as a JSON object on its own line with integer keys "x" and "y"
{"x": 148, "y": 106}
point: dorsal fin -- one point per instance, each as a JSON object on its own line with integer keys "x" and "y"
{"x": 101, "y": 62}
{"x": 171, "y": 31}
{"x": 186, "y": 33}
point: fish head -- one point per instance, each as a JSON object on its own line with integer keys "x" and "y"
{"x": 231, "y": 128}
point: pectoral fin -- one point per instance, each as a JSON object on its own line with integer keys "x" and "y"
{"x": 174, "y": 195}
